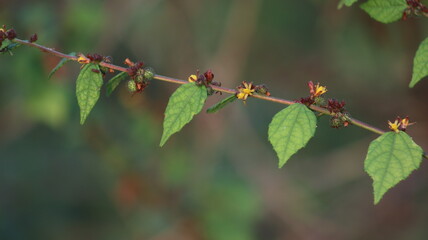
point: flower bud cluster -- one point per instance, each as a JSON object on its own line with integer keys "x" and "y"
{"x": 315, "y": 97}
{"x": 5, "y": 33}
{"x": 414, "y": 7}
{"x": 248, "y": 89}
{"x": 140, "y": 77}
{"x": 340, "y": 116}
{"x": 205, "y": 79}
{"x": 400, "y": 124}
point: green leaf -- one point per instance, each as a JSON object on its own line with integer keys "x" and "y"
{"x": 390, "y": 159}
{"x": 221, "y": 104}
{"x": 385, "y": 11}
{"x": 290, "y": 130}
{"x": 420, "y": 63}
{"x": 114, "y": 82}
{"x": 60, "y": 64}
{"x": 183, "y": 104}
{"x": 5, "y": 43}
{"x": 347, "y": 3}
{"x": 7, "y": 46}
{"x": 88, "y": 87}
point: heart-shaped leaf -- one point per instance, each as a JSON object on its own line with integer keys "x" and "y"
{"x": 290, "y": 130}
{"x": 183, "y": 104}
{"x": 390, "y": 159}
{"x": 88, "y": 87}
{"x": 420, "y": 63}
{"x": 385, "y": 11}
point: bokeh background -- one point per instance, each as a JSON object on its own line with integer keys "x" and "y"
{"x": 218, "y": 178}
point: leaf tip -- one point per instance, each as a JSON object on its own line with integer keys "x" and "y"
{"x": 413, "y": 82}
{"x": 377, "y": 198}
{"x": 163, "y": 140}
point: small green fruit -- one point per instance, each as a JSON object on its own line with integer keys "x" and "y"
{"x": 132, "y": 86}
{"x": 336, "y": 122}
{"x": 320, "y": 101}
{"x": 149, "y": 73}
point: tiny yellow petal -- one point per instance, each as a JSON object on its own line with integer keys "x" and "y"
{"x": 245, "y": 85}
{"x": 394, "y": 126}
{"x": 82, "y": 59}
{"x": 192, "y": 78}
{"x": 241, "y": 95}
{"x": 248, "y": 91}
{"x": 319, "y": 90}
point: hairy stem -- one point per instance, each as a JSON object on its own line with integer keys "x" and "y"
{"x": 322, "y": 110}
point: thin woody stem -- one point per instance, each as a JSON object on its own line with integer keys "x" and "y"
{"x": 322, "y": 110}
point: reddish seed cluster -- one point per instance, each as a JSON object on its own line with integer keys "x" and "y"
{"x": 209, "y": 76}
{"x": 262, "y": 89}
{"x": 308, "y": 101}
{"x": 415, "y": 7}
{"x": 340, "y": 117}
{"x": 205, "y": 79}
{"x": 334, "y": 106}
{"x": 136, "y": 72}
{"x": 134, "y": 68}
{"x": 97, "y": 58}
{"x": 7, "y": 34}
{"x": 315, "y": 95}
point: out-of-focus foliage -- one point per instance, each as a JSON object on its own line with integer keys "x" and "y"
{"x": 347, "y": 3}
{"x": 109, "y": 179}
{"x": 385, "y": 11}
{"x": 420, "y": 63}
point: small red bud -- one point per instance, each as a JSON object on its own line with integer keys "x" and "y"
{"x": 209, "y": 75}
{"x": 33, "y": 38}
{"x": 2, "y": 36}
{"x": 11, "y": 34}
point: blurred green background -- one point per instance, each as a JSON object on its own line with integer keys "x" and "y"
{"x": 218, "y": 178}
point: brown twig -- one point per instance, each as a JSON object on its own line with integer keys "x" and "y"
{"x": 322, "y": 110}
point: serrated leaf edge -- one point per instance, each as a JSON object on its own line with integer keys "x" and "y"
{"x": 420, "y": 53}
{"x": 167, "y": 135}
{"x": 83, "y": 114}
{"x": 282, "y": 160}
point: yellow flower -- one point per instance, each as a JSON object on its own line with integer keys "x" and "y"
{"x": 399, "y": 124}
{"x": 83, "y": 59}
{"x": 394, "y": 126}
{"x": 405, "y": 123}
{"x": 192, "y": 78}
{"x": 245, "y": 90}
{"x": 319, "y": 90}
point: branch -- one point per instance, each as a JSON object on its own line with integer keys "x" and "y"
{"x": 322, "y": 110}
